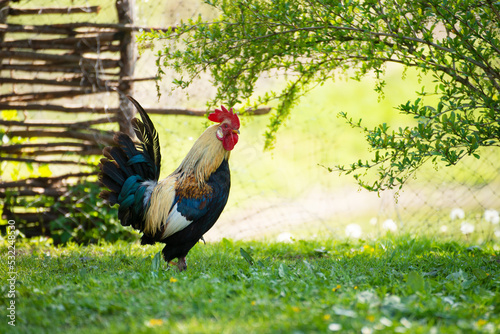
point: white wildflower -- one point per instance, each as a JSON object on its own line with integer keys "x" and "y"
{"x": 285, "y": 237}
{"x": 334, "y": 327}
{"x": 457, "y": 213}
{"x": 444, "y": 229}
{"x": 466, "y": 228}
{"x": 492, "y": 216}
{"x": 497, "y": 233}
{"x": 386, "y": 322}
{"x": 353, "y": 231}
{"x": 373, "y": 221}
{"x": 366, "y": 330}
{"x": 390, "y": 225}
{"x": 405, "y": 322}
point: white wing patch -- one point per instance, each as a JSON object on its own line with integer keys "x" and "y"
{"x": 150, "y": 186}
{"x": 161, "y": 200}
{"x": 175, "y": 222}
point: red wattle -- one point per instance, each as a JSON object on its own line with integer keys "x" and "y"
{"x": 230, "y": 141}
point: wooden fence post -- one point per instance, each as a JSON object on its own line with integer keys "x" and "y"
{"x": 4, "y": 12}
{"x": 125, "y": 9}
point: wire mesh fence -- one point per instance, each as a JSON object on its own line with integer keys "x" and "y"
{"x": 286, "y": 192}
{"x": 465, "y": 208}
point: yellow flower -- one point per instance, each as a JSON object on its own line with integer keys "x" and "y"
{"x": 253, "y": 303}
{"x": 356, "y": 287}
{"x": 481, "y": 322}
{"x": 366, "y": 246}
{"x": 295, "y": 309}
{"x": 173, "y": 280}
{"x": 326, "y": 317}
{"x": 154, "y": 322}
{"x": 372, "y": 250}
{"x": 370, "y": 318}
{"x": 336, "y": 288}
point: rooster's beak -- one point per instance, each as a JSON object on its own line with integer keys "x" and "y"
{"x": 236, "y": 132}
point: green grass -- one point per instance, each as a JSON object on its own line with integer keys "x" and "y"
{"x": 390, "y": 285}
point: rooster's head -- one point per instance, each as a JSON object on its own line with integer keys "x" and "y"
{"x": 228, "y": 130}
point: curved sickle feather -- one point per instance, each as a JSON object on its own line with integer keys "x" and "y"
{"x": 148, "y": 135}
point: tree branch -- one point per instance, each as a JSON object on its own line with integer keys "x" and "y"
{"x": 74, "y": 125}
{"x": 27, "y": 97}
{"x": 96, "y": 136}
{"x": 51, "y": 162}
{"x": 53, "y": 10}
{"x": 102, "y": 110}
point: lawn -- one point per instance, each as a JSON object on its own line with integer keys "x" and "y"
{"x": 390, "y": 285}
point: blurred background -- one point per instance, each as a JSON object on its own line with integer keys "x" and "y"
{"x": 288, "y": 193}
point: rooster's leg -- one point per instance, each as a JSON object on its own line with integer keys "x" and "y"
{"x": 181, "y": 264}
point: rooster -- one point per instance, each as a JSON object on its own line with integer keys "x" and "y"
{"x": 181, "y": 208}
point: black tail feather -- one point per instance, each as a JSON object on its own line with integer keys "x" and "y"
{"x": 126, "y": 144}
{"x": 129, "y": 148}
{"x": 139, "y": 129}
{"x": 135, "y": 162}
{"x": 109, "y": 196}
{"x": 121, "y": 159}
{"x": 113, "y": 171}
{"x": 148, "y": 136}
{"x": 110, "y": 183}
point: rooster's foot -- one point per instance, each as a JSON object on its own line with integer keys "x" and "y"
{"x": 181, "y": 264}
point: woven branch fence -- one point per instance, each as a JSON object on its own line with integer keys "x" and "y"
{"x": 54, "y": 69}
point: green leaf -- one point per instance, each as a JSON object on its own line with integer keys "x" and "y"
{"x": 415, "y": 282}
{"x": 10, "y": 115}
{"x": 283, "y": 271}
{"x": 480, "y": 273}
{"x": 44, "y": 171}
{"x": 246, "y": 256}
{"x": 156, "y": 263}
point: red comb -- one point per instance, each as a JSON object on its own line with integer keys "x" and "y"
{"x": 220, "y": 115}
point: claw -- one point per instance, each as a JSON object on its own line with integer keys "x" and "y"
{"x": 181, "y": 264}
{"x": 203, "y": 240}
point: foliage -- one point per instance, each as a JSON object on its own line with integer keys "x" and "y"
{"x": 310, "y": 42}
{"x": 87, "y": 218}
{"x": 81, "y": 216}
{"x": 390, "y": 285}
